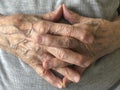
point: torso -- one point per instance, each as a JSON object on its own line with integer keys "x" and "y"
{"x": 91, "y": 8}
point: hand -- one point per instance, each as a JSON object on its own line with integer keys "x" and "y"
{"x": 91, "y": 39}
{"x": 18, "y": 37}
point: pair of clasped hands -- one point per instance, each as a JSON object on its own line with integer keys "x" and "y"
{"x": 79, "y": 43}
{"x": 71, "y": 48}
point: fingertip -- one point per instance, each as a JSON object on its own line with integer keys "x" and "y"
{"x": 86, "y": 64}
{"x": 64, "y": 6}
{"x": 59, "y": 86}
{"x": 70, "y": 15}
{"x": 59, "y": 8}
{"x": 58, "y": 13}
{"x": 66, "y": 13}
{"x": 77, "y": 79}
{"x": 55, "y": 15}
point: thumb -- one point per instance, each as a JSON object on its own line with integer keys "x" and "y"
{"x": 71, "y": 16}
{"x": 54, "y": 15}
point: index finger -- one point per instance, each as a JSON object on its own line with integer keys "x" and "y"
{"x": 46, "y": 27}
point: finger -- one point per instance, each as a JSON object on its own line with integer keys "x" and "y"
{"x": 79, "y": 69}
{"x": 45, "y": 57}
{"x": 70, "y": 56}
{"x": 69, "y": 74}
{"x": 67, "y": 81}
{"x": 54, "y": 63}
{"x": 49, "y": 61}
{"x": 35, "y": 62}
{"x": 14, "y": 19}
{"x": 46, "y": 74}
{"x": 49, "y": 76}
{"x": 58, "y": 41}
{"x": 54, "y": 15}
{"x": 71, "y": 16}
{"x": 83, "y": 34}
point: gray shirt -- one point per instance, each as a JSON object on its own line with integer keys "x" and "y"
{"x": 102, "y": 75}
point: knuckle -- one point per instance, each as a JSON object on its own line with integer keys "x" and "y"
{"x": 40, "y": 27}
{"x": 25, "y": 26}
{"x": 18, "y": 17}
{"x": 84, "y": 35}
{"x": 87, "y": 36}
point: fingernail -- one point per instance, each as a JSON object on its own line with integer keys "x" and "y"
{"x": 76, "y": 79}
{"x": 59, "y": 85}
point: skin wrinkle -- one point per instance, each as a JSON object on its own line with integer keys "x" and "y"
{"x": 105, "y": 39}
{"x": 21, "y": 40}
{"x": 25, "y": 43}
{"x": 19, "y": 35}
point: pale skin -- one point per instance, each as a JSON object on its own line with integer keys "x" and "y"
{"x": 91, "y": 38}
{"x": 29, "y": 37}
{"x": 18, "y": 37}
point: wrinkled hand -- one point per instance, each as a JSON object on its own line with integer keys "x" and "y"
{"x": 81, "y": 43}
{"x": 18, "y": 36}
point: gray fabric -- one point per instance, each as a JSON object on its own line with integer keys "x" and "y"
{"x": 102, "y": 75}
